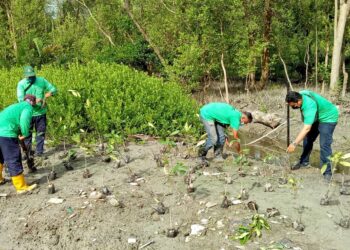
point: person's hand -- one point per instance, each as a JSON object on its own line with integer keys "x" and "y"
{"x": 238, "y": 147}
{"x": 48, "y": 94}
{"x": 38, "y": 100}
{"x": 21, "y": 138}
{"x": 291, "y": 148}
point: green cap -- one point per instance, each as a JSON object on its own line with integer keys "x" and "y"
{"x": 29, "y": 71}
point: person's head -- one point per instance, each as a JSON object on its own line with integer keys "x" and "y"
{"x": 28, "y": 71}
{"x": 294, "y": 99}
{"x": 31, "y": 99}
{"x": 246, "y": 117}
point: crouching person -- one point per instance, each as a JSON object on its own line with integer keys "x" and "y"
{"x": 216, "y": 117}
{"x": 14, "y": 126}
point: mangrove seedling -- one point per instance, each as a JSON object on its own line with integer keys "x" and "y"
{"x": 253, "y": 230}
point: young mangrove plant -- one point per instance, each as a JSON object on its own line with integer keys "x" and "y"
{"x": 253, "y": 230}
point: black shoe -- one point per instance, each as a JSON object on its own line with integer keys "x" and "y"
{"x": 300, "y": 165}
{"x": 41, "y": 156}
{"x": 4, "y": 181}
{"x": 202, "y": 152}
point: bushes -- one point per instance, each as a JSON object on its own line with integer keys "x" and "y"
{"x": 103, "y": 99}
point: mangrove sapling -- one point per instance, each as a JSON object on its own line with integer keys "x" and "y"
{"x": 52, "y": 175}
{"x": 50, "y": 187}
{"x": 294, "y": 185}
{"x": 158, "y": 159}
{"x": 253, "y": 230}
{"x": 336, "y": 159}
{"x": 298, "y": 225}
{"x": 225, "y": 202}
{"x": 253, "y": 206}
{"x": 171, "y": 231}
{"x": 244, "y": 195}
{"x": 343, "y": 189}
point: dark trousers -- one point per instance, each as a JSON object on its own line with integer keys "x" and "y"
{"x": 325, "y": 130}
{"x": 39, "y": 123}
{"x": 10, "y": 154}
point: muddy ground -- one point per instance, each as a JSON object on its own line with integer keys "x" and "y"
{"x": 127, "y": 217}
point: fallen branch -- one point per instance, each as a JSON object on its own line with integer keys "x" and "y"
{"x": 272, "y": 131}
{"x": 269, "y": 120}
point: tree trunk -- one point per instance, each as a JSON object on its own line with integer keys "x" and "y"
{"x": 316, "y": 58}
{"x": 266, "y": 37}
{"x": 325, "y": 63}
{"x": 306, "y": 61}
{"x": 286, "y": 72}
{"x": 345, "y": 80}
{"x": 250, "y": 79}
{"x": 144, "y": 34}
{"x": 338, "y": 42}
{"x": 82, "y": 2}
{"x": 11, "y": 27}
{"x": 225, "y": 77}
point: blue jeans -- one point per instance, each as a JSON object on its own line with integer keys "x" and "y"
{"x": 39, "y": 123}
{"x": 216, "y": 134}
{"x": 325, "y": 130}
{"x": 10, "y": 153}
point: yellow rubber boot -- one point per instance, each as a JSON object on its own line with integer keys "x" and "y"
{"x": 21, "y": 185}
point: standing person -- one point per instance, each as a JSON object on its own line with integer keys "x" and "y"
{"x": 320, "y": 117}
{"x": 42, "y": 90}
{"x": 14, "y": 126}
{"x": 216, "y": 116}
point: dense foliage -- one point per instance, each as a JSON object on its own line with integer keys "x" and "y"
{"x": 108, "y": 99}
{"x": 190, "y": 37}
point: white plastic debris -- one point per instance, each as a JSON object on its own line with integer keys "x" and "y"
{"x": 96, "y": 195}
{"x": 132, "y": 240}
{"x": 197, "y": 229}
{"x": 210, "y": 204}
{"x": 204, "y": 221}
{"x": 55, "y": 200}
{"x": 220, "y": 224}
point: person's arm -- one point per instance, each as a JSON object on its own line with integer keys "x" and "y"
{"x": 235, "y": 143}
{"x": 20, "y": 91}
{"x": 306, "y": 129}
{"x": 50, "y": 89}
{"x": 25, "y": 119}
{"x": 309, "y": 114}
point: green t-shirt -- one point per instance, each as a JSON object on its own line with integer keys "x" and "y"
{"x": 39, "y": 88}
{"x": 222, "y": 113}
{"x": 315, "y": 105}
{"x": 15, "y": 120}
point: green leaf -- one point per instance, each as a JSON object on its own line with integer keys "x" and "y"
{"x": 346, "y": 156}
{"x": 323, "y": 169}
{"x": 344, "y": 163}
{"x": 175, "y": 132}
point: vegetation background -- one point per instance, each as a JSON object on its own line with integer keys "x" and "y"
{"x": 79, "y": 45}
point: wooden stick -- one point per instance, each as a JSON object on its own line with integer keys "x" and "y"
{"x": 147, "y": 244}
{"x": 274, "y": 130}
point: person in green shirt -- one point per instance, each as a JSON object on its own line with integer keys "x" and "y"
{"x": 14, "y": 126}
{"x": 320, "y": 117}
{"x": 42, "y": 90}
{"x": 216, "y": 116}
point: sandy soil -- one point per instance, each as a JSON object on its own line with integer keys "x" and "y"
{"x": 128, "y": 214}
{"x": 80, "y": 222}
